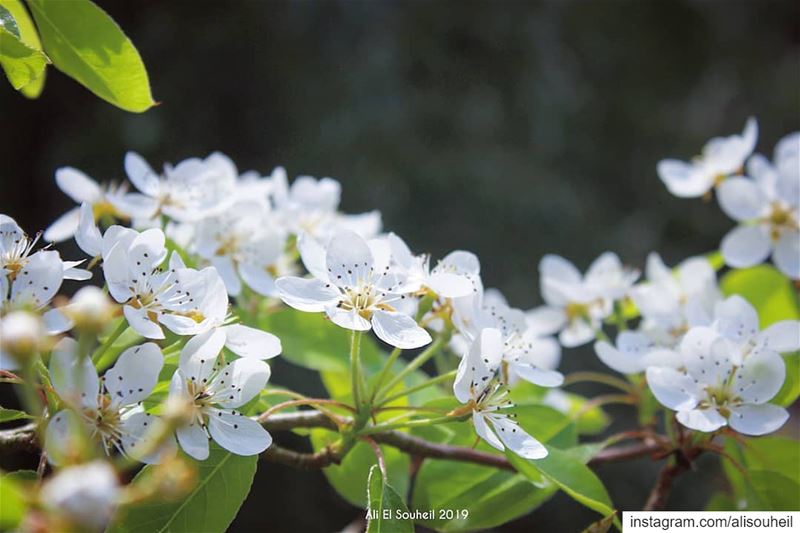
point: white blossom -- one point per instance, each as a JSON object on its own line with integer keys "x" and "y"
{"x": 86, "y": 495}
{"x": 191, "y": 190}
{"x": 22, "y": 333}
{"x": 477, "y": 386}
{"x": 108, "y": 200}
{"x": 721, "y": 157}
{"x": 215, "y": 389}
{"x": 575, "y": 304}
{"x": 767, "y": 207}
{"x": 243, "y": 244}
{"x": 352, "y": 285}
{"x": 109, "y": 407}
{"x": 712, "y": 390}
{"x": 672, "y": 302}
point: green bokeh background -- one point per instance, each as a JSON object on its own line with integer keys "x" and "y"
{"x": 511, "y": 129}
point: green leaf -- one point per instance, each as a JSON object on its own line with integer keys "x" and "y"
{"x": 87, "y": 45}
{"x": 721, "y": 501}
{"x": 30, "y": 37}
{"x": 12, "y": 502}
{"x": 570, "y": 475}
{"x": 7, "y": 415}
{"x": 21, "y": 63}
{"x": 386, "y": 507}
{"x": 790, "y": 390}
{"x": 349, "y": 478}
{"x": 767, "y": 289}
{"x": 489, "y": 496}
{"x": 223, "y": 482}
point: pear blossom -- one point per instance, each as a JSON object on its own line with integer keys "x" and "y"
{"x": 575, "y": 304}
{"x": 185, "y": 300}
{"x": 243, "y": 243}
{"x": 28, "y": 277}
{"x": 353, "y": 286}
{"x": 84, "y": 495}
{"x": 189, "y": 191}
{"x": 721, "y": 157}
{"x": 713, "y": 390}
{"x": 527, "y": 353}
{"x": 477, "y": 386}
{"x": 311, "y": 206}
{"x": 215, "y": 388}
{"x": 105, "y": 200}
{"x": 737, "y": 321}
{"x": 453, "y": 277}
{"x": 108, "y": 407}
{"x": 767, "y": 207}
{"x": 672, "y": 302}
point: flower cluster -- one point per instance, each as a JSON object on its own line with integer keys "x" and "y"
{"x": 158, "y": 359}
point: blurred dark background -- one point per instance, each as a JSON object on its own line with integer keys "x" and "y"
{"x": 511, "y": 129}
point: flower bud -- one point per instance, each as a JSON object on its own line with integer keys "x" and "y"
{"x": 21, "y": 334}
{"x": 90, "y": 309}
{"x": 178, "y": 411}
{"x": 84, "y": 496}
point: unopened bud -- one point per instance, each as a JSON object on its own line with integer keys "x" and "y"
{"x": 178, "y": 411}
{"x": 174, "y": 478}
{"x": 84, "y": 495}
{"x": 21, "y": 334}
{"x": 90, "y": 309}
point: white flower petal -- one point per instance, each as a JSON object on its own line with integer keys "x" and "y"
{"x": 577, "y": 333}
{"x": 348, "y": 259}
{"x": 258, "y": 279}
{"x": 227, "y": 272}
{"x": 760, "y": 377}
{"x": 194, "y": 441}
{"x": 135, "y": 374}
{"x": 245, "y": 341}
{"x": 199, "y": 356}
{"x": 758, "y": 419}
{"x": 56, "y": 322}
{"x": 705, "y": 420}
{"x": 449, "y": 285}
{"x": 557, "y": 268}
{"x": 399, "y": 330}
{"x": 348, "y": 319}
{"x": 238, "y": 434}
{"x": 39, "y": 280}
{"x": 64, "y": 226}
{"x": 545, "y": 320}
{"x": 737, "y": 320}
{"x": 141, "y": 174}
{"x": 623, "y": 362}
{"x": 74, "y": 377}
{"x": 745, "y": 246}
{"x": 672, "y": 388}
{"x": 313, "y": 256}
{"x": 537, "y": 376}
{"x": 544, "y": 353}
{"x": 307, "y": 294}
{"x": 787, "y": 254}
{"x": 741, "y": 199}
{"x": 483, "y": 431}
{"x": 239, "y": 382}
{"x": 682, "y": 179}
{"x": 140, "y": 322}
{"x": 517, "y": 440}
{"x": 783, "y": 336}
{"x": 60, "y": 438}
{"x": 147, "y": 251}
{"x": 135, "y": 427}
{"x": 400, "y": 251}
{"x": 77, "y": 185}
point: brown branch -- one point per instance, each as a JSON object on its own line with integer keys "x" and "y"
{"x": 22, "y": 438}
{"x": 303, "y": 461}
{"x": 659, "y": 495}
{"x": 299, "y": 419}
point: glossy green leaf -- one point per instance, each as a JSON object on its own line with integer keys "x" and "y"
{"x": 790, "y": 390}
{"x": 12, "y": 502}
{"x": 387, "y": 511}
{"x": 349, "y": 478}
{"x": 21, "y": 63}
{"x": 570, "y": 474}
{"x": 721, "y": 501}
{"x": 223, "y": 482}
{"x": 29, "y": 36}
{"x": 778, "y": 491}
{"x": 7, "y": 415}
{"x": 87, "y": 45}
{"x": 7, "y": 22}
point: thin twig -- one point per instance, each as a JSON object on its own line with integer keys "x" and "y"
{"x": 378, "y": 454}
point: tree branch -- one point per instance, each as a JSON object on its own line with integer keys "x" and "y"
{"x": 22, "y": 438}
{"x": 299, "y": 419}
{"x": 659, "y": 495}
{"x": 303, "y": 461}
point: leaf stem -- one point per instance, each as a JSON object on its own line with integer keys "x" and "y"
{"x": 387, "y": 367}
{"x": 117, "y": 333}
{"x": 424, "y": 385}
{"x": 597, "y": 377}
{"x": 417, "y": 362}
